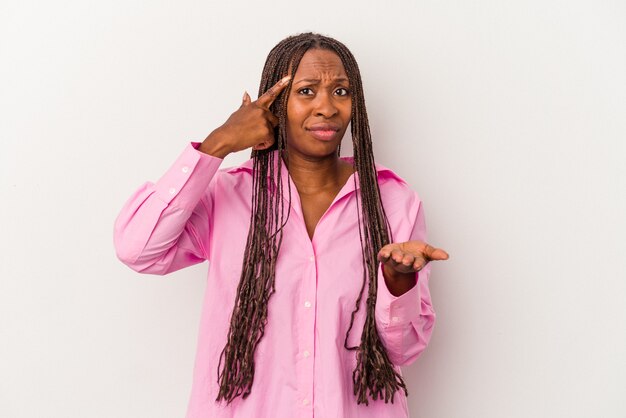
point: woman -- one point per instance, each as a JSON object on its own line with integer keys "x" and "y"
{"x": 294, "y": 236}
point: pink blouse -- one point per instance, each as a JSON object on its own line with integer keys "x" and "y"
{"x": 197, "y": 212}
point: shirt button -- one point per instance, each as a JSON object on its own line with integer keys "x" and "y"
{"x": 395, "y": 319}
{"x": 307, "y": 304}
{"x": 172, "y": 190}
{"x": 305, "y": 402}
{"x": 306, "y": 353}
{"x": 311, "y": 258}
{"x": 185, "y": 169}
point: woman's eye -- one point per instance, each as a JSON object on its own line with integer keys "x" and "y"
{"x": 306, "y": 91}
{"x": 342, "y": 91}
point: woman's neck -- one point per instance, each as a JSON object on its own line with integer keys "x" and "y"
{"x": 312, "y": 175}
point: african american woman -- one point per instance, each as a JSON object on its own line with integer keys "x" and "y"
{"x": 317, "y": 287}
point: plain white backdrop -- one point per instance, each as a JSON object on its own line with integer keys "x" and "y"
{"x": 507, "y": 117}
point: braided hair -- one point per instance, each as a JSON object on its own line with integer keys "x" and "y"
{"x": 374, "y": 375}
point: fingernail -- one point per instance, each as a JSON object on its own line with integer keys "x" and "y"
{"x": 285, "y": 79}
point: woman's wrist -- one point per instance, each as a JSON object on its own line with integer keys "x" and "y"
{"x": 398, "y": 283}
{"x": 215, "y": 144}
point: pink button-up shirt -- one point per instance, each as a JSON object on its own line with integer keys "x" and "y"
{"x": 197, "y": 212}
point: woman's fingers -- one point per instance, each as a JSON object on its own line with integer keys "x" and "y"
{"x": 408, "y": 260}
{"x": 410, "y": 256}
{"x": 391, "y": 253}
{"x": 252, "y": 125}
{"x": 270, "y": 95}
{"x": 264, "y": 145}
{"x": 271, "y": 118}
{"x": 396, "y": 258}
{"x": 397, "y": 255}
{"x": 246, "y": 99}
{"x": 268, "y": 117}
{"x": 384, "y": 254}
{"x": 419, "y": 263}
{"x": 433, "y": 253}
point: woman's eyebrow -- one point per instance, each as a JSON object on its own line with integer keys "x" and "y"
{"x": 317, "y": 80}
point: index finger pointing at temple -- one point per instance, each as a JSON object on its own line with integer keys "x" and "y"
{"x": 270, "y": 95}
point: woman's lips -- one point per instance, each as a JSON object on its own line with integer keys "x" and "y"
{"x": 323, "y": 134}
{"x": 324, "y": 131}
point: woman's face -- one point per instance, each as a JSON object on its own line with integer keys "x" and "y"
{"x": 319, "y": 106}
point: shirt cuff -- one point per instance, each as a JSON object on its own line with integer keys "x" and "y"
{"x": 397, "y": 310}
{"x": 184, "y": 183}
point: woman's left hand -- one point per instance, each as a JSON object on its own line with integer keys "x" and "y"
{"x": 409, "y": 257}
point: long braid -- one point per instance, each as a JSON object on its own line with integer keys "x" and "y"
{"x": 257, "y": 281}
{"x": 374, "y": 375}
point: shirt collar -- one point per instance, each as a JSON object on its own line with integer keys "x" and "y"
{"x": 383, "y": 172}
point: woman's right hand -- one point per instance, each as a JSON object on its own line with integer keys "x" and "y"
{"x": 252, "y": 125}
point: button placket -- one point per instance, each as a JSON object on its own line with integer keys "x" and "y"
{"x": 307, "y": 340}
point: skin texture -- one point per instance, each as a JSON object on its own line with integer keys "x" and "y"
{"x": 319, "y": 94}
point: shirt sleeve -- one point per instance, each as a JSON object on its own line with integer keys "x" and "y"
{"x": 164, "y": 226}
{"x": 405, "y": 323}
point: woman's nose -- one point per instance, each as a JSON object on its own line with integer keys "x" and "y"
{"x": 325, "y": 106}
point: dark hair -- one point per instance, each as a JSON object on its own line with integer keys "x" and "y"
{"x": 374, "y": 375}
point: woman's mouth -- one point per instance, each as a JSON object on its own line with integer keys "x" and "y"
{"x": 323, "y": 134}
{"x": 324, "y": 131}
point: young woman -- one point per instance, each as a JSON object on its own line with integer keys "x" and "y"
{"x": 294, "y": 237}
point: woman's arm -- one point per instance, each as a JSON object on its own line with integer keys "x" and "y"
{"x": 405, "y": 322}
{"x": 164, "y": 227}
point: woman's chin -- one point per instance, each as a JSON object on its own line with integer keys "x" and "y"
{"x": 315, "y": 148}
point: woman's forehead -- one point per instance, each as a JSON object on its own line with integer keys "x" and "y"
{"x": 320, "y": 63}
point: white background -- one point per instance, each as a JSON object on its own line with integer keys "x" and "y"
{"x": 507, "y": 117}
